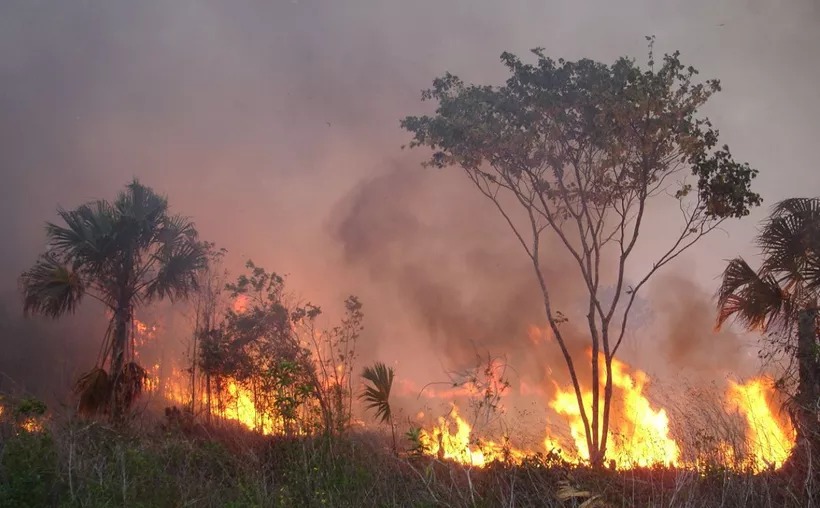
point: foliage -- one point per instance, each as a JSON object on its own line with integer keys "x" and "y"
{"x": 417, "y": 446}
{"x": 487, "y": 382}
{"x": 789, "y": 276}
{"x": 88, "y": 465}
{"x": 208, "y": 303}
{"x": 299, "y": 375}
{"x": 28, "y": 470}
{"x": 377, "y": 394}
{"x": 772, "y": 299}
{"x": 30, "y": 407}
{"x": 335, "y": 356}
{"x": 256, "y": 345}
{"x": 577, "y": 151}
{"x": 124, "y": 253}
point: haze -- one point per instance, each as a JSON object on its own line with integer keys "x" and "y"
{"x": 275, "y": 125}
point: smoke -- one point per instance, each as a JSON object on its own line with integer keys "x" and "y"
{"x": 464, "y": 283}
{"x": 275, "y": 126}
{"x": 685, "y": 313}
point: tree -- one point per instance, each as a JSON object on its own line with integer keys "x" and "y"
{"x": 125, "y": 254}
{"x": 377, "y": 394}
{"x": 335, "y": 356}
{"x": 781, "y": 299}
{"x": 207, "y": 300}
{"x": 258, "y": 347}
{"x": 271, "y": 346}
{"x": 575, "y": 153}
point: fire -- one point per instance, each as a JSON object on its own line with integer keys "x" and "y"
{"x": 243, "y": 410}
{"x": 768, "y": 441}
{"x": 451, "y": 439}
{"x": 639, "y": 431}
{"x": 639, "y": 434}
{"x": 240, "y": 304}
{"x": 32, "y": 425}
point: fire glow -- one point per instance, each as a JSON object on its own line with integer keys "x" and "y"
{"x": 640, "y": 434}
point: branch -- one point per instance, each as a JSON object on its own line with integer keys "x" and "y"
{"x": 677, "y": 249}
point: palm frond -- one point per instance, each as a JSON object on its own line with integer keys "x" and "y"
{"x": 89, "y": 236}
{"x": 178, "y": 271}
{"x": 790, "y": 239}
{"x": 94, "y": 391}
{"x": 130, "y": 384}
{"x": 812, "y": 275}
{"x": 141, "y": 213}
{"x": 51, "y": 288}
{"x": 797, "y": 206}
{"x": 377, "y": 395}
{"x": 755, "y": 299}
{"x": 737, "y": 274}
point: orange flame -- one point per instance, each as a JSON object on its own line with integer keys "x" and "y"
{"x": 446, "y": 442}
{"x": 639, "y": 431}
{"x": 769, "y": 440}
{"x": 639, "y": 434}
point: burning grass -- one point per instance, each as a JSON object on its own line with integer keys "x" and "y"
{"x": 724, "y": 449}
{"x": 740, "y": 429}
{"x": 82, "y": 463}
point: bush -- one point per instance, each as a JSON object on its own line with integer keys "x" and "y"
{"x": 29, "y": 470}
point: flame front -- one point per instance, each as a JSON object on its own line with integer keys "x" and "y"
{"x": 638, "y": 433}
{"x": 452, "y": 439}
{"x": 769, "y": 442}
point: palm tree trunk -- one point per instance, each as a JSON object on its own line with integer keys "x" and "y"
{"x": 808, "y": 386}
{"x": 122, "y": 317}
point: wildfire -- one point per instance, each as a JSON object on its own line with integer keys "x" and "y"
{"x": 768, "y": 441}
{"x": 639, "y": 434}
{"x": 32, "y": 425}
{"x": 451, "y": 439}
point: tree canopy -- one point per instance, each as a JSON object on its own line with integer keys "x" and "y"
{"x": 125, "y": 254}
{"x": 575, "y": 152}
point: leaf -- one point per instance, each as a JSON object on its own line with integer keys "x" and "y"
{"x": 377, "y": 395}
{"x": 51, "y": 288}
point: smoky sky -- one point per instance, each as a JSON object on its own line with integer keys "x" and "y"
{"x": 274, "y": 125}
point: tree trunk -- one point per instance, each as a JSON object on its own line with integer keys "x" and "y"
{"x": 122, "y": 318}
{"x": 607, "y": 408}
{"x": 208, "y": 398}
{"x": 808, "y": 388}
{"x": 393, "y": 433}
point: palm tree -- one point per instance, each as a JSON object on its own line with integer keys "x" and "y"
{"x": 124, "y": 254}
{"x": 782, "y": 295}
{"x": 377, "y": 394}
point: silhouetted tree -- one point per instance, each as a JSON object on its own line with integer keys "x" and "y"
{"x": 575, "y": 153}
{"x": 125, "y": 254}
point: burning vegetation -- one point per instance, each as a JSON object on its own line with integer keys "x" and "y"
{"x": 642, "y": 433}
{"x": 572, "y": 155}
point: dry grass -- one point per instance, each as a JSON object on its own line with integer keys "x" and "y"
{"x": 179, "y": 463}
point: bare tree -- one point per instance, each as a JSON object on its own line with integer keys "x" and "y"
{"x": 575, "y": 152}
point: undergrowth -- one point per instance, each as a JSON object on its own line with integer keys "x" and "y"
{"x": 88, "y": 464}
